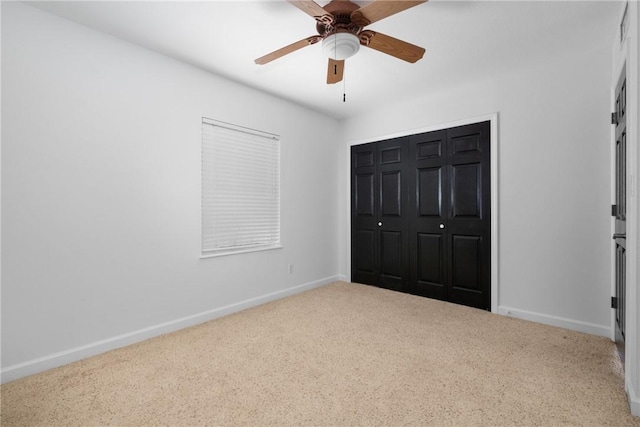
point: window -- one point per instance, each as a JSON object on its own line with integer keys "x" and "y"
{"x": 240, "y": 189}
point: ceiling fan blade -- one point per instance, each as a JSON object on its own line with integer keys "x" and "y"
{"x": 335, "y": 71}
{"x": 288, "y": 49}
{"x": 391, "y": 46}
{"x": 380, "y": 9}
{"x": 311, "y": 8}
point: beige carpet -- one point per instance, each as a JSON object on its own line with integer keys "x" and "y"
{"x": 343, "y": 354}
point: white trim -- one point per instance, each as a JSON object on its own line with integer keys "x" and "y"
{"x": 493, "y": 118}
{"x": 238, "y": 128}
{"x": 54, "y": 360}
{"x": 239, "y": 251}
{"x": 632, "y": 325}
{"x": 561, "y": 322}
{"x": 494, "y": 214}
{"x": 1, "y": 196}
{"x": 634, "y": 401}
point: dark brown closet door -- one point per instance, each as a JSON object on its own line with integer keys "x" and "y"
{"x": 379, "y": 232}
{"x": 469, "y": 223}
{"x": 429, "y": 208}
{"x": 421, "y": 220}
{"x": 620, "y": 212}
{"x": 364, "y": 241}
{"x": 450, "y": 226}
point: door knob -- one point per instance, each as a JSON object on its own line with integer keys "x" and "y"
{"x": 380, "y": 224}
{"x": 441, "y": 225}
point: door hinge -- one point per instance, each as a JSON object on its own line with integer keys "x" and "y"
{"x": 614, "y": 118}
{"x": 614, "y": 210}
{"x": 614, "y": 302}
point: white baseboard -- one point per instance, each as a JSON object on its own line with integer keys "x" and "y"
{"x": 634, "y": 401}
{"x": 561, "y": 322}
{"x": 54, "y": 360}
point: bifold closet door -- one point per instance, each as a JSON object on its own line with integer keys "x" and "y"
{"x": 429, "y": 243}
{"x": 420, "y": 214}
{"x": 379, "y": 227}
{"x": 449, "y": 215}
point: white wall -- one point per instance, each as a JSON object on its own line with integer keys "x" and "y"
{"x": 553, "y": 177}
{"x": 101, "y": 194}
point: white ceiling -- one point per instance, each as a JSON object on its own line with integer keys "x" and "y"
{"x": 464, "y": 40}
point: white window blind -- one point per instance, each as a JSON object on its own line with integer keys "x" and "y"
{"x": 240, "y": 189}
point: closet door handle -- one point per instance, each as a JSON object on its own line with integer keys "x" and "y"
{"x": 441, "y": 225}
{"x": 380, "y": 224}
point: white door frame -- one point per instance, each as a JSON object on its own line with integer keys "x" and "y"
{"x": 625, "y": 52}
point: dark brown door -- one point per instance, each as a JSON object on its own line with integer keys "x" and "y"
{"x": 620, "y": 210}
{"x": 420, "y": 214}
{"x": 379, "y": 233}
{"x": 430, "y": 208}
{"x": 450, "y": 211}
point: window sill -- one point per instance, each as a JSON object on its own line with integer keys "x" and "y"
{"x": 239, "y": 251}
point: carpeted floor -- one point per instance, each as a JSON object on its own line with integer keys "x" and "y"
{"x": 343, "y": 354}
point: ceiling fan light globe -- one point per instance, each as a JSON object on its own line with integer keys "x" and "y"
{"x": 340, "y": 46}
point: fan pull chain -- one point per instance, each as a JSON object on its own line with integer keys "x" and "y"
{"x": 344, "y": 88}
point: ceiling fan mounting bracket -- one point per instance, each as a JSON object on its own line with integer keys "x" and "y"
{"x": 326, "y": 19}
{"x": 341, "y": 23}
{"x": 336, "y": 7}
{"x": 358, "y": 18}
{"x": 314, "y": 39}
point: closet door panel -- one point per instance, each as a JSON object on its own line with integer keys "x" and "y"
{"x": 391, "y": 193}
{"x": 428, "y": 209}
{"x": 466, "y": 262}
{"x": 392, "y": 220}
{"x": 429, "y": 192}
{"x": 379, "y": 247}
{"x": 469, "y": 223}
{"x": 364, "y": 254}
{"x": 391, "y": 257}
{"x": 431, "y": 268}
{"x": 466, "y": 190}
{"x": 364, "y": 247}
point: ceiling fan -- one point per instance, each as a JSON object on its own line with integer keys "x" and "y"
{"x": 340, "y": 25}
